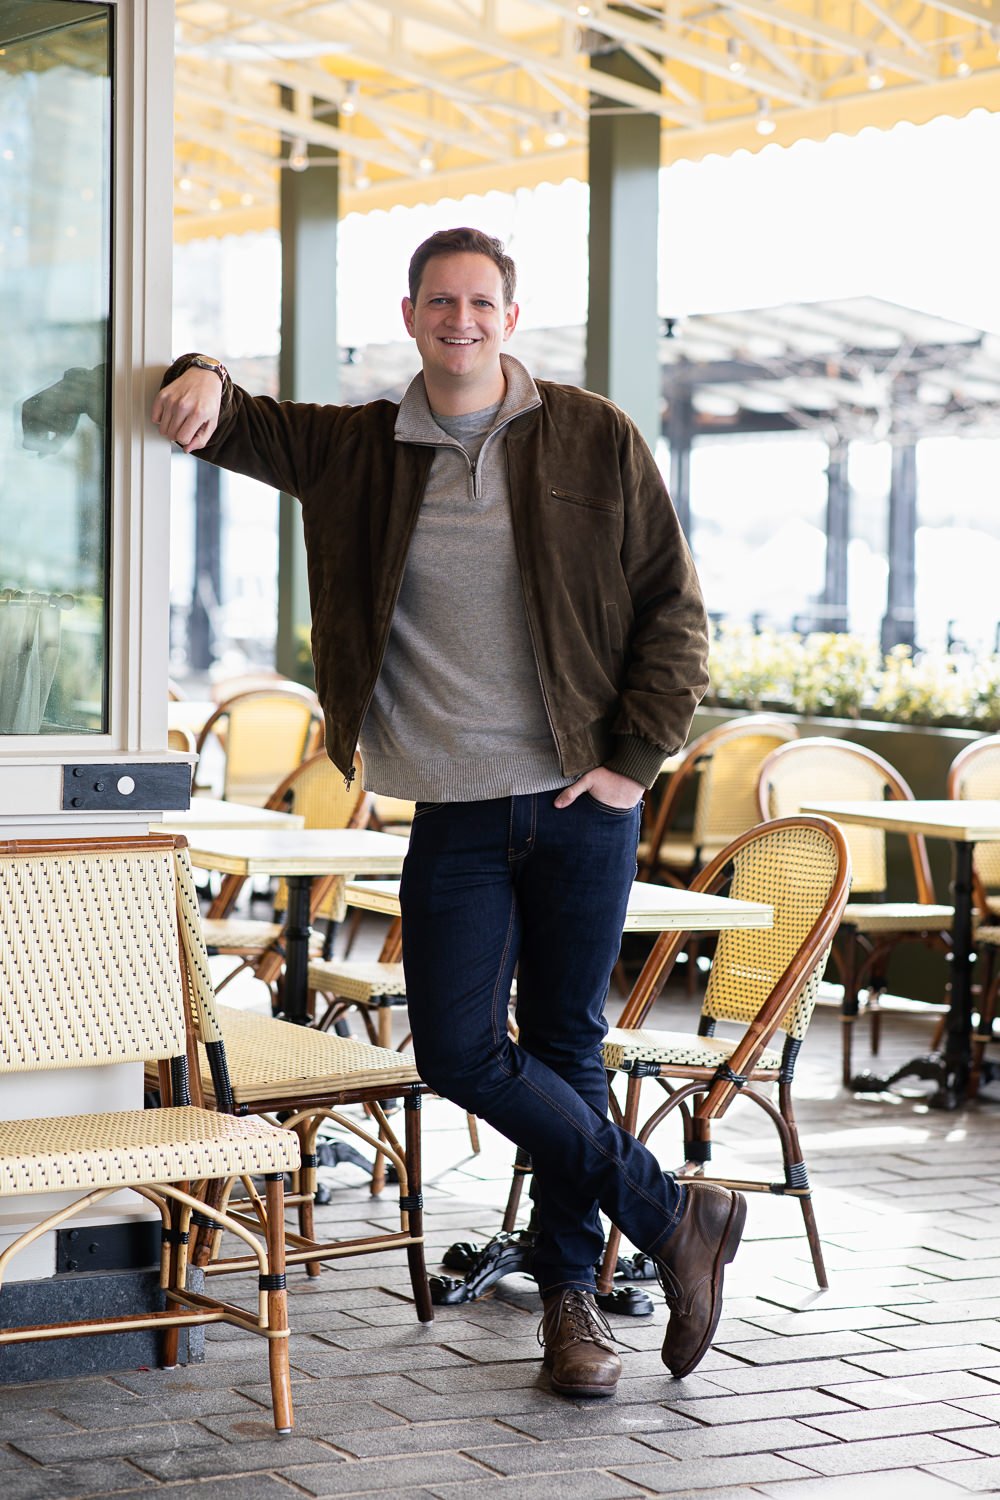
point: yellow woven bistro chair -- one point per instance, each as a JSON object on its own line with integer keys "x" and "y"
{"x": 873, "y": 927}
{"x": 722, "y": 766}
{"x": 93, "y": 973}
{"x": 763, "y": 980}
{"x": 264, "y": 734}
{"x": 301, "y": 1078}
{"x": 975, "y": 774}
{"x": 317, "y": 792}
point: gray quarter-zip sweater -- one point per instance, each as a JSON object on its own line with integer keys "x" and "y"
{"x": 458, "y": 713}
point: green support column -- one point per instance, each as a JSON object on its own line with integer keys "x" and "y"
{"x": 838, "y": 536}
{"x": 622, "y": 322}
{"x": 899, "y": 623}
{"x": 308, "y": 368}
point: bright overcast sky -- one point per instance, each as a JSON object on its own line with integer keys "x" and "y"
{"x": 911, "y": 214}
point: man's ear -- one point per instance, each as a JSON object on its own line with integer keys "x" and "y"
{"x": 510, "y": 316}
{"x": 408, "y": 317}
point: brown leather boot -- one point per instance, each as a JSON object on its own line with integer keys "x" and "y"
{"x": 579, "y": 1350}
{"x": 690, "y": 1267}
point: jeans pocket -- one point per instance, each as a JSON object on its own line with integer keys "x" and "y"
{"x": 421, "y": 809}
{"x": 605, "y": 807}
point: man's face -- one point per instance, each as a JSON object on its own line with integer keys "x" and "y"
{"x": 459, "y": 320}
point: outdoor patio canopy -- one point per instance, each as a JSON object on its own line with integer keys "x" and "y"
{"x": 422, "y": 99}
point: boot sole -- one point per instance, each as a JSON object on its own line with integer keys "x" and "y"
{"x": 583, "y": 1390}
{"x": 728, "y": 1247}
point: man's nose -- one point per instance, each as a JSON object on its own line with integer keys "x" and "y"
{"x": 461, "y": 312}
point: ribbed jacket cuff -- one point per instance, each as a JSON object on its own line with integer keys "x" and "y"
{"x": 636, "y": 758}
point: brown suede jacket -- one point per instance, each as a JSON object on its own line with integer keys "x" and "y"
{"x": 612, "y": 599}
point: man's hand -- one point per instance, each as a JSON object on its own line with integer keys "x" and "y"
{"x": 187, "y": 410}
{"x": 605, "y": 786}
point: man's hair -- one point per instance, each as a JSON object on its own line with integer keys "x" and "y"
{"x": 455, "y": 242}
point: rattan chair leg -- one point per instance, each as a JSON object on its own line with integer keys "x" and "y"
{"x": 983, "y": 1033}
{"x": 307, "y": 1131}
{"x": 848, "y": 1005}
{"x": 170, "y": 1337}
{"x": 415, "y": 1209}
{"x": 277, "y": 1304}
{"x": 522, "y": 1171}
{"x": 630, "y": 1116}
{"x": 796, "y": 1177}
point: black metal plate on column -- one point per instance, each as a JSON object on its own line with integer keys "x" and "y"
{"x": 127, "y": 786}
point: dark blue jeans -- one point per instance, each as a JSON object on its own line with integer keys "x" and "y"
{"x": 488, "y": 886}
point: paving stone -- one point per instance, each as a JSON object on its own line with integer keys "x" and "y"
{"x": 923, "y": 1361}
{"x": 955, "y": 1311}
{"x": 171, "y": 1406}
{"x": 806, "y": 1346}
{"x": 365, "y": 1475}
{"x": 971, "y": 1474}
{"x": 64, "y": 1481}
{"x": 828, "y": 1320}
{"x": 458, "y": 1331}
{"x": 946, "y": 1385}
{"x": 893, "y": 1421}
{"x": 986, "y": 1406}
{"x": 265, "y": 1487}
{"x": 984, "y": 1439}
{"x": 319, "y": 1421}
{"x": 794, "y": 1403}
{"x": 737, "y": 1437}
{"x": 156, "y": 1437}
{"x": 225, "y": 1459}
{"x": 307, "y": 1391}
{"x": 935, "y": 1335}
{"x": 889, "y": 1485}
{"x": 320, "y": 1360}
{"x": 878, "y": 1453}
{"x": 709, "y": 1473}
{"x": 428, "y": 1437}
{"x": 590, "y": 1419}
{"x": 807, "y": 1372}
{"x": 584, "y": 1486}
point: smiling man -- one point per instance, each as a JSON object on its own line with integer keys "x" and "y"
{"x": 507, "y": 620}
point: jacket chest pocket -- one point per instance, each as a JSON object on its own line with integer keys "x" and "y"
{"x": 587, "y": 501}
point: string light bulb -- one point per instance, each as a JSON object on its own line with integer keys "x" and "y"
{"x": 875, "y": 78}
{"x": 425, "y": 162}
{"x": 349, "y": 103}
{"x": 361, "y": 178}
{"x": 765, "y": 125}
{"x": 298, "y": 156}
{"x": 736, "y": 63}
{"x": 962, "y": 66}
{"x": 556, "y": 135}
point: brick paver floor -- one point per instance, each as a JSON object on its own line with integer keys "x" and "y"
{"x": 887, "y": 1385}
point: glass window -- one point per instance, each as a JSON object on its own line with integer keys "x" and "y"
{"x": 55, "y": 291}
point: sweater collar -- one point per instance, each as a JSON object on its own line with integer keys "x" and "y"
{"x": 415, "y": 424}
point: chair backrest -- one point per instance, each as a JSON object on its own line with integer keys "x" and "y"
{"x": 766, "y": 979}
{"x": 92, "y": 971}
{"x": 265, "y": 734}
{"x": 800, "y": 867}
{"x": 726, "y": 801}
{"x": 975, "y": 774}
{"x": 723, "y": 765}
{"x": 823, "y": 769}
{"x": 316, "y": 790}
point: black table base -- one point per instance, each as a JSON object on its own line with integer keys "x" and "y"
{"x": 507, "y": 1253}
{"x": 951, "y": 1080}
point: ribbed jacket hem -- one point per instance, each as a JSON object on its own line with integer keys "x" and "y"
{"x": 636, "y": 758}
{"x": 462, "y": 780}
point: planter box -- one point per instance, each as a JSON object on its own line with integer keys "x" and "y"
{"x": 922, "y": 756}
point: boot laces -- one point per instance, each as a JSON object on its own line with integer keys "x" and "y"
{"x": 578, "y": 1320}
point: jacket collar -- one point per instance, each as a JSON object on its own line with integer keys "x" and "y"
{"x": 415, "y": 424}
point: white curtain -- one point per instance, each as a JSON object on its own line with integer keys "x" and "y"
{"x": 29, "y": 651}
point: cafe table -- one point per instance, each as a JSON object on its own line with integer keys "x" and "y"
{"x": 963, "y": 824}
{"x": 219, "y": 816}
{"x": 300, "y": 856}
{"x": 651, "y": 908}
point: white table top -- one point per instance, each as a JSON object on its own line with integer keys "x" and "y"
{"x": 190, "y": 713}
{"x": 968, "y": 822}
{"x": 306, "y": 851}
{"x": 651, "y": 908}
{"x": 213, "y": 813}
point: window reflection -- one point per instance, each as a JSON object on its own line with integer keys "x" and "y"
{"x": 55, "y": 280}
